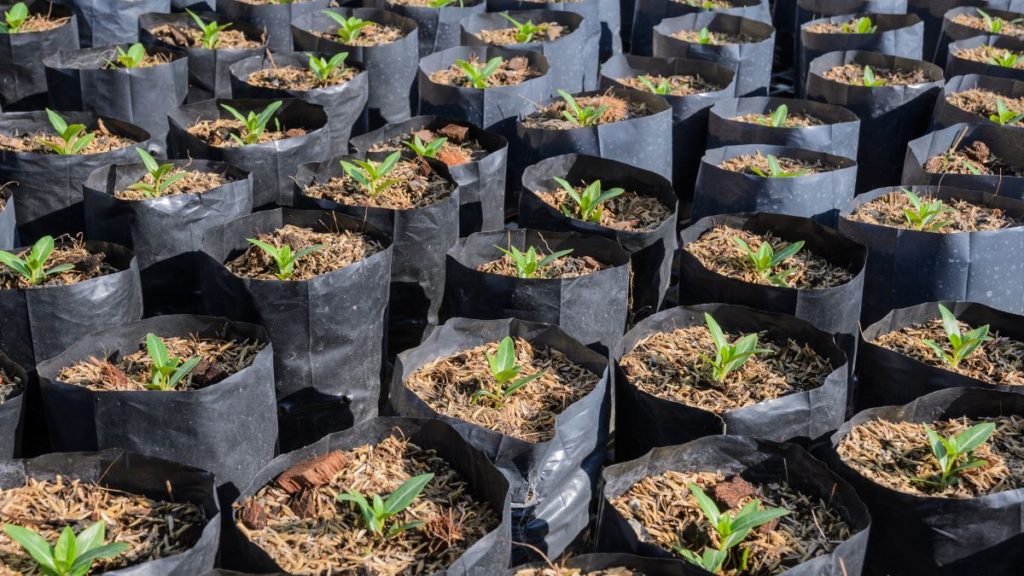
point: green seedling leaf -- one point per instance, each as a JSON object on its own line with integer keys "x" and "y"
{"x": 283, "y": 256}
{"x": 588, "y": 205}
{"x": 165, "y": 371}
{"x": 955, "y": 455}
{"x": 71, "y": 555}
{"x": 525, "y": 31}
{"x": 729, "y": 356}
{"x": 323, "y": 69}
{"x": 377, "y": 512}
{"x": 425, "y": 150}
{"x": 962, "y": 345}
{"x": 33, "y": 266}
{"x": 478, "y": 75}
{"x": 210, "y": 30}
{"x": 350, "y": 28}
{"x": 581, "y": 116}
{"x": 925, "y": 215}
{"x": 527, "y": 263}
{"x": 371, "y": 176}
{"x": 14, "y": 19}
{"x": 253, "y": 125}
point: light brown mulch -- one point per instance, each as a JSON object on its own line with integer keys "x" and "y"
{"x": 984, "y": 53}
{"x": 373, "y": 35}
{"x": 67, "y": 250}
{"x": 976, "y": 155}
{"x": 629, "y": 211}
{"x": 1010, "y": 28}
{"x": 984, "y": 102}
{"x": 511, "y": 72}
{"x": 549, "y": 117}
{"x": 567, "y": 266}
{"x": 792, "y": 120}
{"x": 217, "y": 133}
{"x": 416, "y": 185}
{"x": 103, "y": 141}
{"x": 192, "y": 37}
{"x": 716, "y": 38}
{"x": 745, "y": 162}
{"x": 962, "y": 216}
{"x": 459, "y": 147}
{"x": 194, "y": 182}
{"x": 547, "y": 32}
{"x": 341, "y": 248}
{"x": 296, "y": 78}
{"x": 680, "y": 84}
{"x": 42, "y": 23}
{"x": 853, "y": 74}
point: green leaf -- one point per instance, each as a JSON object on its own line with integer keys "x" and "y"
{"x": 64, "y": 551}
{"x": 182, "y": 371}
{"x": 949, "y": 322}
{"x": 706, "y": 504}
{"x": 974, "y": 437}
{"x": 523, "y": 382}
{"x": 779, "y": 116}
{"x": 32, "y": 543}
{"x": 84, "y": 562}
{"x": 552, "y": 257}
{"x": 505, "y": 359}
{"x": 57, "y": 121}
{"x": 401, "y": 498}
{"x": 716, "y": 332}
{"x": 757, "y": 518}
{"x": 786, "y": 253}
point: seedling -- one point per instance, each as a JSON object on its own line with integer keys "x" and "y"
{"x": 131, "y": 58}
{"x": 589, "y": 204}
{"x": 1004, "y": 115}
{"x": 211, "y": 30}
{"x": 74, "y": 136}
{"x": 962, "y": 344}
{"x": 442, "y": 3}
{"x": 72, "y": 555}
{"x": 526, "y": 263}
{"x": 862, "y": 25}
{"x": 662, "y": 87}
{"x": 14, "y": 19}
{"x": 348, "y": 28}
{"x": 765, "y": 260}
{"x": 732, "y": 528}
{"x": 924, "y": 216}
{"x": 581, "y": 116}
{"x": 323, "y": 68}
{"x": 993, "y": 25}
{"x": 705, "y": 36}
{"x": 525, "y": 31}
{"x": 1008, "y": 59}
{"x": 377, "y": 512}
{"x": 166, "y": 371}
{"x": 505, "y": 372}
{"x": 372, "y": 176}
{"x": 284, "y": 257}
{"x": 254, "y": 125}
{"x": 729, "y": 357}
{"x": 948, "y": 451}
{"x": 870, "y": 80}
{"x": 777, "y": 119}
{"x": 775, "y": 170}
{"x": 33, "y": 266}
{"x": 163, "y": 176}
{"x": 478, "y": 75}
{"x": 425, "y": 149}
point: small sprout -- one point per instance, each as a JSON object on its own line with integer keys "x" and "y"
{"x": 948, "y": 451}
{"x": 254, "y": 125}
{"x": 777, "y": 119}
{"x": 72, "y": 555}
{"x": 211, "y": 31}
{"x": 74, "y": 136}
{"x": 705, "y": 36}
{"x": 163, "y": 176}
{"x": 505, "y": 372}
{"x": 372, "y": 176}
{"x": 132, "y": 58}
{"x": 1008, "y": 59}
{"x": 729, "y": 357}
{"x": 425, "y": 150}
{"x": 862, "y": 25}
{"x": 283, "y": 256}
{"x": 377, "y": 512}
{"x": 589, "y": 204}
{"x": 661, "y": 88}
{"x": 765, "y": 260}
{"x": 525, "y": 31}
{"x": 348, "y": 28}
{"x": 442, "y": 3}
{"x": 323, "y": 68}
{"x": 1004, "y": 115}
{"x": 962, "y": 344}
{"x": 775, "y": 170}
{"x": 870, "y": 80}
{"x": 975, "y": 170}
{"x": 582, "y": 116}
{"x": 478, "y": 75}
{"x": 14, "y": 19}
{"x": 732, "y": 529}
{"x": 993, "y": 25}
{"x": 33, "y": 266}
{"x": 166, "y": 371}
{"x": 526, "y": 263}
{"x": 924, "y": 216}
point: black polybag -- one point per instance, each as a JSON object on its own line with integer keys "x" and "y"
{"x": 122, "y": 471}
{"x": 272, "y": 164}
{"x": 644, "y": 421}
{"x": 103, "y": 23}
{"x": 481, "y": 182}
{"x": 837, "y": 135}
{"x": 817, "y": 196}
{"x": 931, "y": 12}
{"x": 13, "y": 411}
{"x": 689, "y": 113}
{"x": 165, "y": 233}
{"x": 807, "y": 10}
{"x": 593, "y": 308}
{"x": 8, "y": 220}
{"x": 48, "y": 186}
{"x": 208, "y": 70}
{"x": 390, "y": 68}
{"x": 38, "y": 323}
{"x": 22, "y": 74}
{"x": 551, "y": 482}
{"x": 954, "y": 32}
{"x": 650, "y": 251}
{"x": 948, "y": 536}
{"x": 890, "y": 116}
{"x": 81, "y": 80}
{"x": 751, "y": 60}
{"x": 759, "y": 461}
{"x": 601, "y": 562}
{"x": 833, "y": 310}
{"x": 275, "y": 17}
{"x": 1005, "y": 144}
{"x": 907, "y": 267}
{"x": 323, "y": 365}
{"x": 570, "y": 66}
{"x": 946, "y": 114}
{"x": 343, "y": 103}
{"x": 958, "y": 66}
{"x": 649, "y": 13}
{"x": 228, "y": 428}
{"x": 488, "y": 555}
{"x": 596, "y": 25}
{"x": 437, "y": 28}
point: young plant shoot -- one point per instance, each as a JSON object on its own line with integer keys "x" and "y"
{"x": 862, "y": 25}
{"x": 442, "y": 3}
{"x": 962, "y": 345}
{"x": 729, "y": 357}
{"x": 478, "y": 75}
{"x": 210, "y": 30}
{"x": 777, "y": 119}
{"x": 74, "y": 137}
{"x": 72, "y": 555}
{"x": 323, "y": 69}
{"x": 164, "y": 175}
{"x": 589, "y": 206}
{"x": 705, "y": 37}
{"x": 732, "y": 528}
{"x": 283, "y": 256}
{"x": 377, "y": 511}
{"x": 372, "y": 176}
{"x": 131, "y": 58}
{"x": 525, "y": 31}
{"x": 505, "y": 372}
{"x": 1008, "y": 58}
{"x": 33, "y": 266}
{"x": 949, "y": 451}
{"x": 425, "y": 149}
{"x": 581, "y": 116}
{"x": 526, "y": 263}
{"x": 1004, "y": 115}
{"x": 924, "y": 216}
{"x": 993, "y": 25}
{"x": 14, "y": 19}
{"x": 662, "y": 88}
{"x": 253, "y": 124}
{"x": 166, "y": 371}
{"x": 348, "y": 28}
{"x": 775, "y": 170}
{"x": 765, "y": 260}
{"x": 870, "y": 81}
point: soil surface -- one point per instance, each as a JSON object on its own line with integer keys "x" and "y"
{"x": 152, "y": 529}
{"x": 680, "y": 84}
{"x": 567, "y": 266}
{"x": 987, "y": 53}
{"x": 42, "y": 23}
{"x": 973, "y": 159}
{"x": 296, "y": 78}
{"x": 447, "y": 386}
{"x": 1010, "y": 27}
{"x": 894, "y": 454}
{"x": 10, "y": 386}
{"x": 511, "y": 72}
{"x": 629, "y": 211}
{"x": 984, "y": 103}
{"x": 792, "y": 120}
{"x": 663, "y": 512}
{"x": 669, "y": 365}
{"x": 88, "y": 265}
{"x": 341, "y": 249}
{"x": 34, "y": 143}
{"x": 217, "y": 133}
{"x": 416, "y": 185}
{"x": 149, "y": 61}
{"x": 372, "y": 35}
{"x": 837, "y": 28}
{"x": 298, "y": 521}
{"x": 960, "y": 215}
{"x": 546, "y": 32}
{"x": 718, "y": 251}
{"x": 459, "y": 147}
{"x": 746, "y": 162}
{"x": 853, "y": 74}
{"x": 192, "y": 37}
{"x": 716, "y": 38}
{"x": 549, "y": 117}
{"x": 193, "y": 182}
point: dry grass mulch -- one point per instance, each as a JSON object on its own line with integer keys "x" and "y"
{"x": 193, "y": 182}
{"x": 372, "y": 35}
{"x": 42, "y": 23}
{"x": 792, "y": 120}
{"x": 708, "y": 4}
{"x": 415, "y": 185}
{"x": 1010, "y": 27}
{"x": 679, "y": 84}
{"x": 745, "y": 163}
{"x": 341, "y": 248}
{"x": 962, "y": 216}
{"x": 68, "y": 250}
{"x": 149, "y": 61}
{"x": 34, "y": 143}
{"x": 715, "y": 38}
{"x": 549, "y": 117}
{"x": 296, "y": 78}
{"x": 973, "y": 159}
{"x": 10, "y": 386}
{"x": 984, "y": 102}
{"x": 985, "y": 53}
{"x": 853, "y": 74}
{"x": 511, "y": 72}
{"x": 459, "y": 147}
{"x": 192, "y": 37}
{"x": 217, "y": 133}
{"x": 630, "y": 212}
{"x": 567, "y": 266}
{"x": 546, "y": 32}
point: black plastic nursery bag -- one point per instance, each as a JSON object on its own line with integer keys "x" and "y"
{"x": 12, "y": 410}
{"x": 275, "y": 17}
{"x": 946, "y": 114}
{"x": 437, "y": 28}
{"x": 957, "y": 65}
{"x": 8, "y": 220}
{"x": 649, "y": 13}
{"x": 953, "y": 31}
{"x": 102, "y": 22}
{"x": 21, "y": 66}
{"x": 1006, "y": 144}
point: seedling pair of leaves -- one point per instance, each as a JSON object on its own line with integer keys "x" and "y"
{"x": 350, "y": 28}
{"x": 925, "y": 215}
{"x": 729, "y": 356}
{"x": 1008, "y": 59}
{"x": 166, "y": 371}
{"x": 525, "y": 31}
{"x": 210, "y": 30}
{"x": 72, "y": 555}
{"x": 133, "y": 57}
{"x": 994, "y": 25}
{"x": 253, "y": 124}
{"x": 14, "y": 19}
{"x": 478, "y": 75}
{"x": 527, "y": 263}
{"x": 164, "y": 176}
{"x": 1004, "y": 115}
{"x": 765, "y": 260}
{"x": 962, "y": 345}
{"x": 372, "y": 176}
{"x": 581, "y": 116}
{"x": 33, "y": 266}
{"x": 425, "y": 149}
{"x": 74, "y": 137}
{"x": 377, "y": 512}
{"x": 777, "y": 118}
{"x": 949, "y": 451}
{"x": 323, "y": 68}
{"x": 589, "y": 205}
{"x": 705, "y": 37}
{"x": 284, "y": 257}
{"x": 775, "y": 170}
{"x": 870, "y": 80}
{"x": 505, "y": 373}
{"x": 862, "y": 25}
